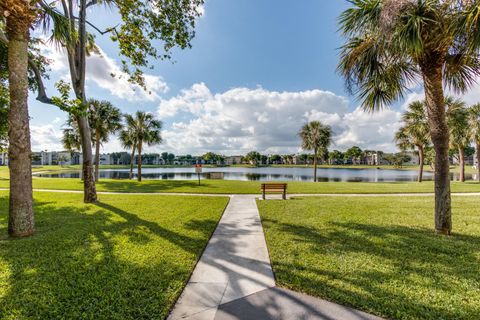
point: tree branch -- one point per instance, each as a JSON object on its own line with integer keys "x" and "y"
{"x": 110, "y": 29}
{"x": 42, "y": 95}
{"x": 91, "y": 3}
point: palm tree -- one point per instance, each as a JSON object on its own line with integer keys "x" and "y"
{"x": 104, "y": 120}
{"x": 474, "y": 124}
{"x": 414, "y": 133}
{"x": 391, "y": 44}
{"x": 317, "y": 137}
{"x": 141, "y": 128}
{"x": 19, "y": 17}
{"x": 71, "y": 139}
{"x": 457, "y": 115}
{"x": 128, "y": 140}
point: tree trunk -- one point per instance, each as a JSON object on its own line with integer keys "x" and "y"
{"x": 435, "y": 102}
{"x": 132, "y": 158}
{"x": 90, "y": 192}
{"x": 77, "y": 64}
{"x": 20, "y": 214}
{"x": 139, "y": 164}
{"x": 315, "y": 165}
{"x": 421, "y": 161}
{"x": 97, "y": 156}
{"x": 461, "y": 157}
{"x": 478, "y": 160}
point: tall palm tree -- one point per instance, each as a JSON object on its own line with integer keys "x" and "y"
{"x": 414, "y": 133}
{"x": 141, "y": 128}
{"x": 317, "y": 137}
{"x": 19, "y": 17}
{"x": 104, "y": 120}
{"x": 474, "y": 124}
{"x": 391, "y": 44}
{"x": 458, "y": 126}
{"x": 128, "y": 140}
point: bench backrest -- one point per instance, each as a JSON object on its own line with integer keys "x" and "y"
{"x": 279, "y": 186}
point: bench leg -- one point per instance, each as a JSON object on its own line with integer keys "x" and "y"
{"x": 284, "y": 195}
{"x": 263, "y": 195}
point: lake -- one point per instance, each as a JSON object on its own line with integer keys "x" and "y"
{"x": 263, "y": 174}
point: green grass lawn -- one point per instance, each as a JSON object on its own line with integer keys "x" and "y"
{"x": 243, "y": 187}
{"x": 379, "y": 255}
{"x": 127, "y": 257}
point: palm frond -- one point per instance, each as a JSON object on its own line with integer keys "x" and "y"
{"x": 56, "y": 24}
{"x": 364, "y": 15}
{"x": 141, "y": 128}
{"x": 461, "y": 70}
{"x": 315, "y": 136}
{"x": 474, "y": 122}
{"x": 373, "y": 74}
{"x": 403, "y": 140}
{"x": 458, "y": 124}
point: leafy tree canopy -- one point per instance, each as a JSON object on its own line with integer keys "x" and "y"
{"x": 353, "y": 152}
{"x": 253, "y": 157}
{"x": 144, "y": 27}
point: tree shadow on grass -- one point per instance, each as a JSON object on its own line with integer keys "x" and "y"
{"x": 185, "y": 242}
{"x": 393, "y": 271}
{"x": 151, "y": 186}
{"x": 94, "y": 262}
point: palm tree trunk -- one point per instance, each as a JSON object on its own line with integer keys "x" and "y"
{"x": 139, "y": 164}
{"x": 478, "y": 160}
{"x": 97, "y": 155}
{"x": 20, "y": 213}
{"x": 132, "y": 158}
{"x": 421, "y": 161}
{"x": 461, "y": 156}
{"x": 315, "y": 165}
{"x": 435, "y": 102}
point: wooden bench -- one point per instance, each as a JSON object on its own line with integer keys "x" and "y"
{"x": 274, "y": 188}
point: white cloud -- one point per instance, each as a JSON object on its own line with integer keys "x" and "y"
{"x": 46, "y": 137}
{"x": 104, "y": 72}
{"x": 473, "y": 95}
{"x": 412, "y": 97}
{"x": 369, "y": 130}
{"x": 242, "y": 119}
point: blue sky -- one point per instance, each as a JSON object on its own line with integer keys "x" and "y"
{"x": 257, "y": 71}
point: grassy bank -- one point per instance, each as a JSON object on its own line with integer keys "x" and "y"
{"x": 127, "y": 257}
{"x": 378, "y": 254}
{"x": 231, "y": 187}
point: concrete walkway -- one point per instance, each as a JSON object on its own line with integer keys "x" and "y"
{"x": 234, "y": 280}
{"x": 235, "y": 263}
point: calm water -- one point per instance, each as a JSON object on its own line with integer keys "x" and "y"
{"x": 263, "y": 174}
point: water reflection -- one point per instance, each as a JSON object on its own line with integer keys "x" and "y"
{"x": 264, "y": 174}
